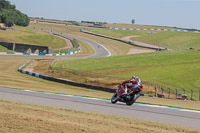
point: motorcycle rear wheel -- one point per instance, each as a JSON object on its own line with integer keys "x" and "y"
{"x": 131, "y": 101}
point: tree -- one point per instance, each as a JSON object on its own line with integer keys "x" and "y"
{"x": 7, "y": 17}
{"x": 10, "y": 15}
{"x": 4, "y": 4}
{"x": 21, "y": 19}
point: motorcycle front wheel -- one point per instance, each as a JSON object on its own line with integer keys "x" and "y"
{"x": 114, "y": 98}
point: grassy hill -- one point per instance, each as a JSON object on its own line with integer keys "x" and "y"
{"x": 30, "y": 36}
{"x": 173, "y": 40}
{"x": 170, "y": 69}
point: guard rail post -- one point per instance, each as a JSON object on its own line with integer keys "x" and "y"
{"x": 199, "y": 95}
{"x": 191, "y": 94}
{"x": 155, "y": 92}
{"x": 162, "y": 90}
{"x": 169, "y": 93}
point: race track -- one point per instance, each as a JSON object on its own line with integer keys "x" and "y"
{"x": 143, "y": 112}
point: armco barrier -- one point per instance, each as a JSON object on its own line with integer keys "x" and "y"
{"x": 93, "y": 87}
{"x": 68, "y": 82}
{"x": 78, "y": 84}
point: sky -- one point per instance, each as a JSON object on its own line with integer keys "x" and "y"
{"x": 174, "y": 13}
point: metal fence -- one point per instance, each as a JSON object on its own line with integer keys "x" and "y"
{"x": 183, "y": 94}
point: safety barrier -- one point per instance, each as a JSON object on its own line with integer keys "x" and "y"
{"x": 11, "y": 53}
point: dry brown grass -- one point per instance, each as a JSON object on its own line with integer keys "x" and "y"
{"x": 20, "y": 117}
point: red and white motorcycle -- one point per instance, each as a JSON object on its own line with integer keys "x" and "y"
{"x": 129, "y": 98}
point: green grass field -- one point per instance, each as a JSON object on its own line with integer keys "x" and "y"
{"x": 168, "y": 39}
{"x": 172, "y": 39}
{"x": 30, "y": 36}
{"x": 170, "y": 69}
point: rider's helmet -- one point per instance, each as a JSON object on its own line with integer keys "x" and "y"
{"x": 134, "y": 77}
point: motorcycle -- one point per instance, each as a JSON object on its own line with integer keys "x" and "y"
{"x": 128, "y": 98}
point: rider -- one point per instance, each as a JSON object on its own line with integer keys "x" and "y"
{"x": 134, "y": 83}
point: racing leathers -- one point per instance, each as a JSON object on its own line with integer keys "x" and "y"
{"x": 134, "y": 84}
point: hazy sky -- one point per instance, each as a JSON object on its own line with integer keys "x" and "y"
{"x": 179, "y": 13}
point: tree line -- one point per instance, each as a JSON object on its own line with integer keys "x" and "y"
{"x": 10, "y": 15}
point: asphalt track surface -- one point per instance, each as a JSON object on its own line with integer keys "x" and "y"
{"x": 170, "y": 116}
